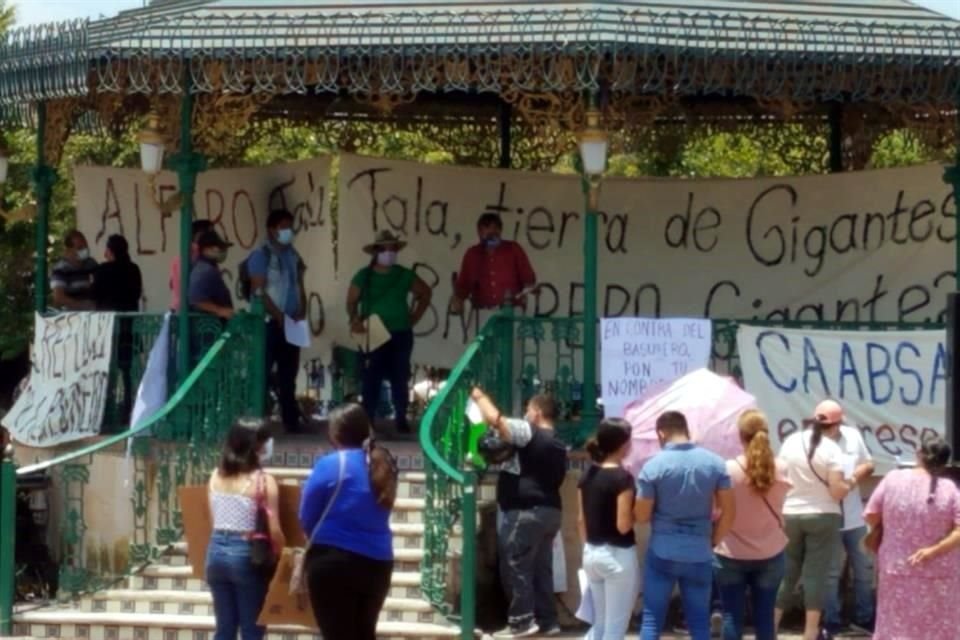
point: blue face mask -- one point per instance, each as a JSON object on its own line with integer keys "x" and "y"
{"x": 285, "y": 236}
{"x": 492, "y": 242}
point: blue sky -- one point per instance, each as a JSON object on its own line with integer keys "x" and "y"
{"x": 34, "y": 11}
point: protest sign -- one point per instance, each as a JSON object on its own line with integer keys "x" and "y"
{"x": 637, "y": 353}
{"x": 891, "y": 384}
{"x": 864, "y": 246}
{"x": 111, "y": 200}
{"x": 67, "y": 390}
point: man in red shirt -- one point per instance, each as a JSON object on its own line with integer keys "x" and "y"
{"x": 492, "y": 269}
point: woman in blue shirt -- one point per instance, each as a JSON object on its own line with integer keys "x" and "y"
{"x": 346, "y": 505}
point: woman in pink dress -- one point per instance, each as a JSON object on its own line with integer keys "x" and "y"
{"x": 918, "y": 561}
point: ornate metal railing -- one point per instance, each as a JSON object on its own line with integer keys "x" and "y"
{"x": 146, "y": 463}
{"x": 451, "y": 494}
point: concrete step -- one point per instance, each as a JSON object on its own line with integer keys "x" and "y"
{"x": 200, "y": 603}
{"x": 157, "y": 577}
{"x": 71, "y": 624}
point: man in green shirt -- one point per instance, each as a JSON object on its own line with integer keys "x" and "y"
{"x": 385, "y": 289}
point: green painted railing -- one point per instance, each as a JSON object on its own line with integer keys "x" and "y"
{"x": 451, "y": 491}
{"x": 176, "y": 446}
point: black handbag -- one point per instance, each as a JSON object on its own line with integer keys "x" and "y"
{"x": 494, "y": 449}
{"x": 263, "y": 557}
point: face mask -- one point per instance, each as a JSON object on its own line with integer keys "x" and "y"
{"x": 387, "y": 258}
{"x": 267, "y": 452}
{"x": 216, "y": 256}
{"x": 285, "y": 236}
{"x": 492, "y": 242}
{"x": 83, "y": 254}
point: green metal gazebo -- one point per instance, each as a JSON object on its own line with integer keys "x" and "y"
{"x": 509, "y": 84}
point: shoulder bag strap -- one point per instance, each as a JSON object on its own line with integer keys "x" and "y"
{"x": 810, "y": 464}
{"x": 333, "y": 498}
{"x": 773, "y": 512}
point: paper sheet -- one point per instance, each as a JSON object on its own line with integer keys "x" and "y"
{"x": 297, "y": 332}
{"x": 375, "y": 336}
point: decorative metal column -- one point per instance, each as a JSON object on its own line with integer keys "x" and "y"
{"x": 835, "y": 136}
{"x": 590, "y": 415}
{"x": 187, "y": 164}
{"x": 43, "y": 178}
{"x": 8, "y": 530}
{"x": 592, "y": 162}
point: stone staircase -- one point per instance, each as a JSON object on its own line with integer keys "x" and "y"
{"x": 165, "y": 602}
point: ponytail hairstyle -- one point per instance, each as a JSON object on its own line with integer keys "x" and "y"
{"x": 761, "y": 468}
{"x": 612, "y": 434}
{"x": 816, "y": 437}
{"x": 934, "y": 456}
{"x": 350, "y": 428}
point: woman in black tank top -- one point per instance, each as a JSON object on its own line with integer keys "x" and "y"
{"x": 606, "y": 528}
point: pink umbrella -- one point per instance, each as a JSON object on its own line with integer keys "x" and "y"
{"x": 711, "y": 404}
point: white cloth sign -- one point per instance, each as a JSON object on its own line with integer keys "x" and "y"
{"x": 637, "y": 353}
{"x": 869, "y": 245}
{"x": 111, "y": 200}
{"x": 67, "y": 390}
{"x": 891, "y": 384}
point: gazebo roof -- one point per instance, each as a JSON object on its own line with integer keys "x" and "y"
{"x": 871, "y": 50}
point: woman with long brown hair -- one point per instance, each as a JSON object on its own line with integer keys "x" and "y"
{"x": 751, "y": 555}
{"x": 346, "y": 511}
{"x": 238, "y": 486}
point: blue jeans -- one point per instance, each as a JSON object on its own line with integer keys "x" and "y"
{"x": 861, "y": 566}
{"x": 659, "y": 578}
{"x": 763, "y": 578}
{"x": 238, "y": 589}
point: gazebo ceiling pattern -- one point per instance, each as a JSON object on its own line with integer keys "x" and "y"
{"x": 873, "y": 51}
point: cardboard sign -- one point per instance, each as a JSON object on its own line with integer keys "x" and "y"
{"x": 281, "y": 607}
{"x": 198, "y": 525}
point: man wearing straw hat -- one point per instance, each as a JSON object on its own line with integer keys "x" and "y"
{"x": 380, "y": 293}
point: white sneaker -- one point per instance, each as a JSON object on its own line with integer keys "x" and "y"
{"x": 517, "y": 632}
{"x": 555, "y": 630}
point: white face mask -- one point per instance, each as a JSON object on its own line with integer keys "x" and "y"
{"x": 387, "y": 258}
{"x": 83, "y": 254}
{"x": 285, "y": 236}
{"x": 267, "y": 452}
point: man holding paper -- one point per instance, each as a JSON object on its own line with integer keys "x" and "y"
{"x": 381, "y": 319}
{"x": 277, "y": 269}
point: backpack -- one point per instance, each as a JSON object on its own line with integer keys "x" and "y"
{"x": 244, "y": 287}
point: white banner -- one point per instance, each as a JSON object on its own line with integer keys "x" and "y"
{"x": 637, "y": 353}
{"x": 871, "y": 245}
{"x": 891, "y": 384}
{"x": 66, "y": 393}
{"x": 113, "y": 200}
